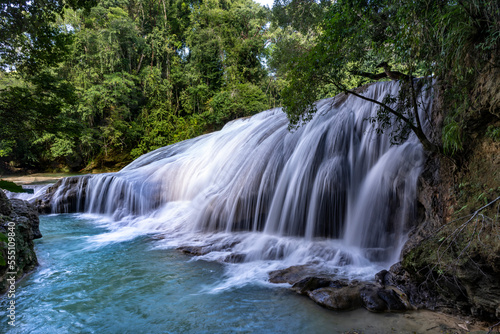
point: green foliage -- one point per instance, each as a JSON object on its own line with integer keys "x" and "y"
{"x": 453, "y": 41}
{"x": 243, "y": 100}
{"x": 343, "y": 44}
{"x": 29, "y": 39}
{"x": 302, "y": 16}
{"x": 29, "y": 109}
{"x": 11, "y": 186}
{"x": 493, "y": 132}
{"x": 129, "y": 77}
{"x": 452, "y": 137}
{"x": 386, "y": 121}
{"x": 6, "y": 147}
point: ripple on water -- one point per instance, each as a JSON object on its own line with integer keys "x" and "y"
{"x": 137, "y": 287}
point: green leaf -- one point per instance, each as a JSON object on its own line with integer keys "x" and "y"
{"x": 3, "y": 237}
{"x": 11, "y": 186}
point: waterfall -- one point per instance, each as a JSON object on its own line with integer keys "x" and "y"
{"x": 334, "y": 191}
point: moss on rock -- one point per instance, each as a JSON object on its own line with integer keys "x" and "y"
{"x": 18, "y": 220}
{"x": 453, "y": 257}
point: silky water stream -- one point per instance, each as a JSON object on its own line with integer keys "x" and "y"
{"x": 138, "y": 286}
{"x": 334, "y": 194}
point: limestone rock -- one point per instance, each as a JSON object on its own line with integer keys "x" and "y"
{"x": 371, "y": 299}
{"x": 66, "y": 196}
{"x": 5, "y": 206}
{"x": 392, "y": 300}
{"x": 26, "y": 213}
{"x": 193, "y": 250}
{"x": 340, "y": 299}
{"x": 22, "y": 224}
{"x": 291, "y": 275}
{"x": 313, "y": 283}
{"x": 338, "y": 294}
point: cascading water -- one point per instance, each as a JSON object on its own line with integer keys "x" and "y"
{"x": 334, "y": 192}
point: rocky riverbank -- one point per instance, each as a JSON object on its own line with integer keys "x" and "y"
{"x": 342, "y": 295}
{"x": 452, "y": 259}
{"x": 18, "y": 220}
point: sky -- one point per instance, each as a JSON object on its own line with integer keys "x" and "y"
{"x": 265, "y": 2}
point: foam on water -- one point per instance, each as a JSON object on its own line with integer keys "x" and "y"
{"x": 333, "y": 193}
{"x": 37, "y": 191}
{"x": 128, "y": 287}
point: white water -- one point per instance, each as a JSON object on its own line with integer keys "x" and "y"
{"x": 38, "y": 190}
{"x": 333, "y": 193}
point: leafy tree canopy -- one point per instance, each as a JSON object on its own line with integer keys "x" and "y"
{"x": 450, "y": 40}
{"x": 28, "y": 38}
{"x": 101, "y": 82}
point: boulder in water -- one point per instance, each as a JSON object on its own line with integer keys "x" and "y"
{"x": 392, "y": 299}
{"x": 340, "y": 294}
{"x": 194, "y": 250}
{"x": 339, "y": 299}
{"x": 371, "y": 300}
{"x": 313, "y": 283}
{"x": 291, "y": 275}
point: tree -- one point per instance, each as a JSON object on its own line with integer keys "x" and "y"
{"x": 33, "y": 110}
{"x": 417, "y": 38}
{"x": 34, "y": 98}
{"x": 28, "y": 38}
{"x": 142, "y": 74}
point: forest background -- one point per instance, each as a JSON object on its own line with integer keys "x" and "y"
{"x": 94, "y": 84}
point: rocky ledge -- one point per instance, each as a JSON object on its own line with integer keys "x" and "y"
{"x": 343, "y": 295}
{"x": 19, "y": 222}
{"x": 451, "y": 261}
{"x": 66, "y": 196}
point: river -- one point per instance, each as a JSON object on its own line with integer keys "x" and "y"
{"x": 139, "y": 286}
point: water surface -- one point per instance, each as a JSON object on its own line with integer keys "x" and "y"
{"x": 136, "y": 287}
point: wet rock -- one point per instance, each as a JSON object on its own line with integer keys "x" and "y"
{"x": 313, "y": 283}
{"x": 392, "y": 300}
{"x": 419, "y": 295}
{"x": 194, "y": 250}
{"x": 5, "y": 206}
{"x": 403, "y": 297}
{"x": 388, "y": 298}
{"x": 66, "y": 196}
{"x": 26, "y": 213}
{"x": 339, "y": 299}
{"x": 380, "y": 277}
{"x": 371, "y": 299}
{"x": 338, "y": 294}
{"x": 386, "y": 278}
{"x": 291, "y": 275}
{"x": 235, "y": 258}
{"x": 21, "y": 225}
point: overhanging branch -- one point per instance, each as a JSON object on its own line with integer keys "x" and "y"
{"x": 417, "y": 129}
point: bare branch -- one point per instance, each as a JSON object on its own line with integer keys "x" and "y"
{"x": 495, "y": 325}
{"x": 417, "y": 130}
{"x": 370, "y": 75}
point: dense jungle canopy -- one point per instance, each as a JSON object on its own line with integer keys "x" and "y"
{"x": 97, "y": 83}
